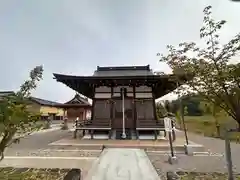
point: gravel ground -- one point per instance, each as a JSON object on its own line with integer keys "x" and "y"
{"x": 215, "y": 162}
{"x": 189, "y": 164}
{"x": 216, "y": 146}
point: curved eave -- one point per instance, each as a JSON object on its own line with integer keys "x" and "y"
{"x": 77, "y": 83}
{"x": 79, "y": 99}
{"x": 163, "y": 84}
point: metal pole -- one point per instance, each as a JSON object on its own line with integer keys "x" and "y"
{"x": 228, "y": 156}
{"x": 183, "y": 119}
{"x": 75, "y": 131}
{"x": 123, "y": 114}
{"x": 170, "y": 142}
{"x": 173, "y": 131}
{"x": 184, "y": 125}
{"x": 172, "y": 159}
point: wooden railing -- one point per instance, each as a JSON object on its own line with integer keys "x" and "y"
{"x": 93, "y": 123}
{"x": 101, "y": 122}
{"x": 148, "y": 123}
{"x": 82, "y": 123}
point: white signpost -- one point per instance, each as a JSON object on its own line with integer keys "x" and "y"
{"x": 168, "y": 127}
{"x": 168, "y": 124}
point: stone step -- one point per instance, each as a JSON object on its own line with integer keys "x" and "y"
{"x": 100, "y": 147}
{"x": 148, "y": 148}
{"x": 56, "y": 153}
{"x": 78, "y": 147}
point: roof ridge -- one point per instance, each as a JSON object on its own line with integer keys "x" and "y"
{"x": 79, "y": 98}
{"x": 6, "y": 91}
{"x": 44, "y": 101}
{"x": 116, "y": 68}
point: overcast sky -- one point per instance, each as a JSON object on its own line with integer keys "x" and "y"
{"x": 75, "y": 36}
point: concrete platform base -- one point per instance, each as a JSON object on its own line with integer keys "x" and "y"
{"x": 172, "y": 160}
{"x": 147, "y": 145}
{"x": 190, "y": 149}
{"x": 151, "y": 137}
{"x": 96, "y": 136}
{"x": 146, "y": 137}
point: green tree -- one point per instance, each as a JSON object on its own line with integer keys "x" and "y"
{"x": 212, "y": 75}
{"x": 167, "y": 106}
{"x": 215, "y": 111}
{"x": 15, "y": 118}
{"x": 161, "y": 111}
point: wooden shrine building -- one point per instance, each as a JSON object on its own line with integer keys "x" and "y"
{"x": 123, "y": 99}
{"x": 77, "y": 107}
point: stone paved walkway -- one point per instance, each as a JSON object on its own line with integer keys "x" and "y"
{"x": 122, "y": 164}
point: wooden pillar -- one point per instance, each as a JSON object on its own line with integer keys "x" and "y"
{"x": 155, "y": 112}
{"x": 109, "y": 134}
{"x": 154, "y": 106}
{"x": 91, "y": 134}
{"x": 64, "y": 114}
{"x": 155, "y": 134}
{"x": 93, "y": 104}
{"x": 75, "y": 131}
{"x": 137, "y": 134}
{"x": 135, "y": 111}
{"x": 111, "y": 107}
{"x": 134, "y": 106}
{"x": 84, "y": 114}
{"x": 75, "y": 134}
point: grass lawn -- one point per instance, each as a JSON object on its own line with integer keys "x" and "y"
{"x": 206, "y": 125}
{"x": 32, "y": 174}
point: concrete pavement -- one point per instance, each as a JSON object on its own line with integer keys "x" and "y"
{"x": 34, "y": 152}
{"x": 37, "y": 141}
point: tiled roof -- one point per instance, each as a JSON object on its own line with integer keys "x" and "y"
{"x": 78, "y": 100}
{"x": 123, "y": 71}
{"x": 37, "y": 100}
{"x": 6, "y": 93}
{"x": 44, "y": 102}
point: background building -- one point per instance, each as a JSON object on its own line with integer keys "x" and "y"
{"x": 47, "y": 109}
{"x": 77, "y": 107}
